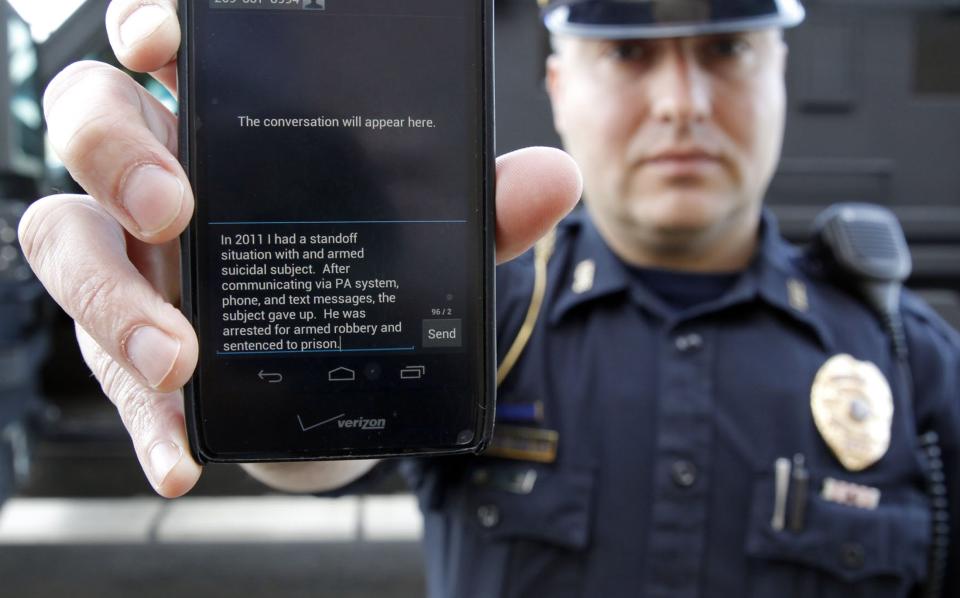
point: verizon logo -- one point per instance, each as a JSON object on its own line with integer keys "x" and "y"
{"x": 356, "y": 423}
{"x": 363, "y": 423}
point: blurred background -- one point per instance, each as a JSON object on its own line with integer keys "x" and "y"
{"x": 874, "y": 90}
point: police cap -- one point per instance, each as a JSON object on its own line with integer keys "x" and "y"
{"x": 636, "y": 19}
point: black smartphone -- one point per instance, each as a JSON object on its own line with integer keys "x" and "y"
{"x": 339, "y": 265}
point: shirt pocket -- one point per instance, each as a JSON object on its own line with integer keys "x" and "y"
{"x": 540, "y": 519}
{"x": 841, "y": 551}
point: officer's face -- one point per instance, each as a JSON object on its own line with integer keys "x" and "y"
{"x": 677, "y": 138}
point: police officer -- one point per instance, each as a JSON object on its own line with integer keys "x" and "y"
{"x": 700, "y": 409}
{"x": 691, "y": 407}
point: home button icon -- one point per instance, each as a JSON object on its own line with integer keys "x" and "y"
{"x": 341, "y": 374}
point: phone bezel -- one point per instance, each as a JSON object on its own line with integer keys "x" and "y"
{"x": 485, "y": 408}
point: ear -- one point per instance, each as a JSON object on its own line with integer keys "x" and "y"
{"x": 556, "y": 88}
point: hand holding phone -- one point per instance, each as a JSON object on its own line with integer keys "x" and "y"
{"x": 115, "y": 277}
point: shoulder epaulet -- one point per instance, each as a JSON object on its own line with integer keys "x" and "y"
{"x": 914, "y": 306}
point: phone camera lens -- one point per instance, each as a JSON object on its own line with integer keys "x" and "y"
{"x": 372, "y": 371}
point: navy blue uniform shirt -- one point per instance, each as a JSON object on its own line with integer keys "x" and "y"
{"x": 669, "y": 422}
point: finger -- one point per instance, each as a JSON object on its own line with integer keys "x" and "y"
{"x": 154, "y": 420}
{"x": 144, "y": 34}
{"x": 119, "y": 143}
{"x": 536, "y": 187}
{"x": 78, "y": 252}
{"x": 160, "y": 265}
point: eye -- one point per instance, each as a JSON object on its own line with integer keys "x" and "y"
{"x": 629, "y": 51}
{"x": 727, "y": 47}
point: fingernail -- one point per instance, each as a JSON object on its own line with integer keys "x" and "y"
{"x": 153, "y": 197}
{"x": 141, "y": 23}
{"x": 164, "y": 456}
{"x": 153, "y": 353}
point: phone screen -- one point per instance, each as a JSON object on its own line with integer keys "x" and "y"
{"x": 340, "y": 251}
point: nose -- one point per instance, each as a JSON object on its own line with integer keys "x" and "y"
{"x": 679, "y": 89}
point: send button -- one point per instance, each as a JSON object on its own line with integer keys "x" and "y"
{"x": 442, "y": 333}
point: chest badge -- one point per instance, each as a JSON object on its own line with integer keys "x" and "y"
{"x": 853, "y": 410}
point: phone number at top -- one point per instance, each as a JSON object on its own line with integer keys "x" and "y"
{"x": 255, "y": 3}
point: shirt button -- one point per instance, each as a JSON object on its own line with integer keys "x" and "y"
{"x": 688, "y": 342}
{"x": 852, "y": 555}
{"x": 488, "y": 516}
{"x": 684, "y": 473}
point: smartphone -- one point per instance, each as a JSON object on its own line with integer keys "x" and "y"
{"x": 339, "y": 266}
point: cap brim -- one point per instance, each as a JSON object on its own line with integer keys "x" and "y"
{"x": 557, "y": 22}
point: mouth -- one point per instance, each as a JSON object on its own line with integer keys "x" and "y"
{"x": 694, "y": 159}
